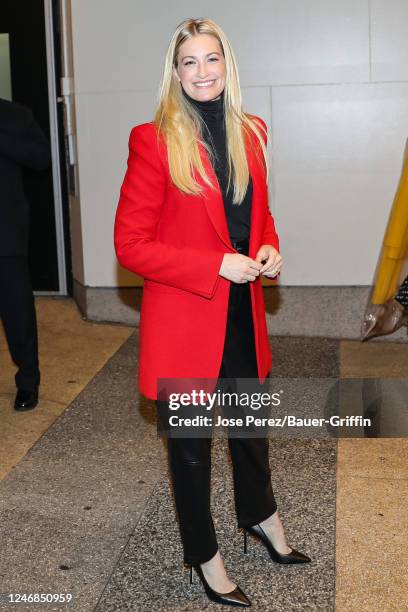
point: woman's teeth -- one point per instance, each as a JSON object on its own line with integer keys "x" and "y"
{"x": 204, "y": 84}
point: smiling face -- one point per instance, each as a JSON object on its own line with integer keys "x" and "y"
{"x": 201, "y": 67}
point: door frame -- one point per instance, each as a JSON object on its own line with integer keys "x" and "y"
{"x": 55, "y": 153}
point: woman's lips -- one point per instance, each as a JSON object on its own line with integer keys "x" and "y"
{"x": 204, "y": 84}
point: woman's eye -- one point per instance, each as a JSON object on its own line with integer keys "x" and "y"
{"x": 211, "y": 59}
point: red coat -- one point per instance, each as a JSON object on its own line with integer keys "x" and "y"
{"x": 177, "y": 242}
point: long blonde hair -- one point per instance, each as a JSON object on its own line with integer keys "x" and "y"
{"x": 181, "y": 125}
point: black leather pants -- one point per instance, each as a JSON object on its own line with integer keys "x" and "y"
{"x": 190, "y": 458}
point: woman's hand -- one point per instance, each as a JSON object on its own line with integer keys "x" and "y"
{"x": 273, "y": 263}
{"x": 239, "y": 268}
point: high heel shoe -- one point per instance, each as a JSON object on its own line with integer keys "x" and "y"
{"x": 293, "y": 557}
{"x": 236, "y": 597}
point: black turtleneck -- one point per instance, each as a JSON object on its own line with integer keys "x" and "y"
{"x": 238, "y": 215}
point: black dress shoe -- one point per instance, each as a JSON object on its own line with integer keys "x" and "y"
{"x": 293, "y": 557}
{"x": 26, "y": 399}
{"x": 236, "y": 597}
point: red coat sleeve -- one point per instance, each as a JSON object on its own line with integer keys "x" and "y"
{"x": 142, "y": 196}
{"x": 270, "y": 235}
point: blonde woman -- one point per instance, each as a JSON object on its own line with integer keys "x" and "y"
{"x": 193, "y": 220}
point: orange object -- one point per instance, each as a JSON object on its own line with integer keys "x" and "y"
{"x": 395, "y": 244}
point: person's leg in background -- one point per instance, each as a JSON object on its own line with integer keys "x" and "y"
{"x": 17, "y": 311}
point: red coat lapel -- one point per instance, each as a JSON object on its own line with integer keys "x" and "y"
{"x": 213, "y": 199}
{"x": 215, "y": 205}
{"x": 259, "y": 200}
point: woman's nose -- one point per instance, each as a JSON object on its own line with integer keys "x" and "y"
{"x": 202, "y": 71}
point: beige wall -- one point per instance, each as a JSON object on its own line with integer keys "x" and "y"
{"x": 331, "y": 80}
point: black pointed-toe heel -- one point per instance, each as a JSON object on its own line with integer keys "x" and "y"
{"x": 293, "y": 557}
{"x": 236, "y": 597}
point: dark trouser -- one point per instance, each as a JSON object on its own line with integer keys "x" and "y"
{"x": 17, "y": 312}
{"x": 190, "y": 458}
